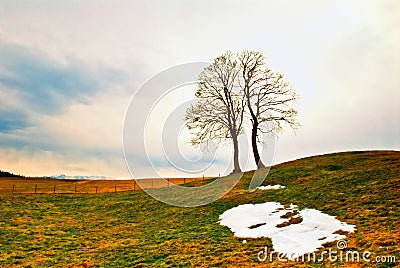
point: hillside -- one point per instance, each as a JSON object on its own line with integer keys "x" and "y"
{"x": 7, "y": 174}
{"x": 133, "y": 229}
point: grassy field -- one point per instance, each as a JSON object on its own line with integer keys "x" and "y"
{"x": 131, "y": 229}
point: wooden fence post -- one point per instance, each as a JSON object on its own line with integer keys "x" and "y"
{"x": 54, "y": 189}
{"x": 152, "y": 183}
{"x": 168, "y": 182}
{"x": 13, "y": 188}
{"x": 75, "y": 189}
{"x": 115, "y": 188}
{"x": 96, "y": 189}
{"x": 184, "y": 180}
{"x": 35, "y": 188}
{"x": 203, "y": 177}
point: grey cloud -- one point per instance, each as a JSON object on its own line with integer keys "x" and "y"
{"x": 45, "y": 86}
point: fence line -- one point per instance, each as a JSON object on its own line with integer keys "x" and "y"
{"x": 90, "y": 187}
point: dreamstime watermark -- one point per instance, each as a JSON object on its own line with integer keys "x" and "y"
{"x": 340, "y": 255}
{"x": 154, "y": 121}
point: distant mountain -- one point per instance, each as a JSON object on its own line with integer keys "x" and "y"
{"x": 66, "y": 177}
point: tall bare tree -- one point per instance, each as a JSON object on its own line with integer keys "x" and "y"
{"x": 235, "y": 84}
{"x": 218, "y": 114}
{"x": 269, "y": 99}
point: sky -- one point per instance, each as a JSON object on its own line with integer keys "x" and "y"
{"x": 69, "y": 70}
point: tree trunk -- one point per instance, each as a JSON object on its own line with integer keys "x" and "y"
{"x": 254, "y": 133}
{"x": 257, "y": 157}
{"x": 236, "y": 166}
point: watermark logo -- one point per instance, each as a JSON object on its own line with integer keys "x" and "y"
{"x": 154, "y": 121}
{"x": 330, "y": 255}
{"x": 341, "y": 244}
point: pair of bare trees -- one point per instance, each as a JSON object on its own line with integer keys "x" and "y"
{"x": 235, "y": 89}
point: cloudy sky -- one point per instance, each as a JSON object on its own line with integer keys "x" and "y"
{"x": 69, "y": 69}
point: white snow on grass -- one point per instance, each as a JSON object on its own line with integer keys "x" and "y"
{"x": 271, "y": 187}
{"x": 294, "y": 240}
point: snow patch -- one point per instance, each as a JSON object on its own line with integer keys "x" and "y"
{"x": 271, "y": 187}
{"x": 293, "y": 240}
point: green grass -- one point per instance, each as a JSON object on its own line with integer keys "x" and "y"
{"x": 132, "y": 229}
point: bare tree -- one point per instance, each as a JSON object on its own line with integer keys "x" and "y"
{"x": 218, "y": 114}
{"x": 269, "y": 99}
{"x": 231, "y": 83}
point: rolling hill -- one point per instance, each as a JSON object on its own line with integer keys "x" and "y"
{"x": 132, "y": 229}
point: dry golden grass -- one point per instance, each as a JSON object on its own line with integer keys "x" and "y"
{"x": 50, "y": 186}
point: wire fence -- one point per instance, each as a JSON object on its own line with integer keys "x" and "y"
{"x": 55, "y": 186}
